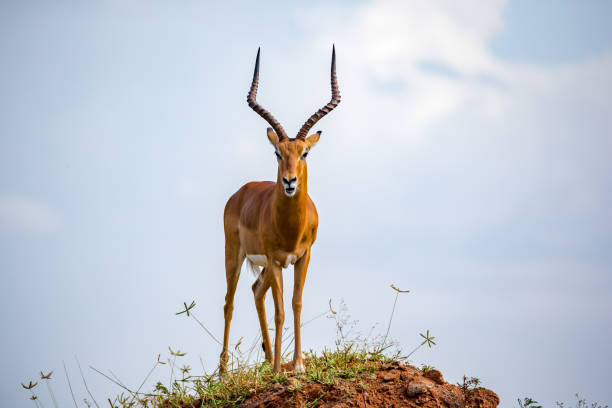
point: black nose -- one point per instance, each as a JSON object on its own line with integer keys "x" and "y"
{"x": 288, "y": 182}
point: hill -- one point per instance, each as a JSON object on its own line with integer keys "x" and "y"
{"x": 339, "y": 379}
{"x": 389, "y": 385}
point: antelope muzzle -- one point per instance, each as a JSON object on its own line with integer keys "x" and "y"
{"x": 290, "y": 186}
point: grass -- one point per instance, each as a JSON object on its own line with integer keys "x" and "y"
{"x": 351, "y": 364}
{"x": 241, "y": 382}
{"x": 582, "y": 403}
{"x": 353, "y": 359}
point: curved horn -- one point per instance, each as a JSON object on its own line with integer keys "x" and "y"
{"x": 335, "y": 100}
{"x": 258, "y": 108}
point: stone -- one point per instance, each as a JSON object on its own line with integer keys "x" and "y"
{"x": 415, "y": 389}
{"x": 434, "y": 375}
{"x": 390, "y": 376}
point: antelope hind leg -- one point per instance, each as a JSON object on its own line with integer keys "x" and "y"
{"x": 260, "y": 287}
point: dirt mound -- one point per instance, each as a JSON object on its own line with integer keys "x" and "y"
{"x": 390, "y": 385}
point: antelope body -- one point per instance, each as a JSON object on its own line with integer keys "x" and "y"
{"x": 273, "y": 225}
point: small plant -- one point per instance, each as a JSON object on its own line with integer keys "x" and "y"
{"x": 346, "y": 332}
{"x": 397, "y": 293}
{"x": 47, "y": 378}
{"x": 468, "y": 386}
{"x": 428, "y": 339}
{"x": 582, "y": 403}
{"x": 528, "y": 403}
{"x": 425, "y": 368}
{"x": 350, "y": 366}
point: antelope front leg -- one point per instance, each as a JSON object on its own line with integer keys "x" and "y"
{"x": 276, "y": 283}
{"x": 233, "y": 263}
{"x": 260, "y": 287}
{"x": 299, "y": 276}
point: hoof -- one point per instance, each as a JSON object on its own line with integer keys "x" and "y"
{"x": 223, "y": 364}
{"x": 298, "y": 367}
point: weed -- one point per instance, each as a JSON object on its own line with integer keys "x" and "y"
{"x": 47, "y": 377}
{"x": 528, "y": 403}
{"x": 468, "y": 386}
{"x": 397, "y": 292}
{"x": 354, "y": 360}
{"x": 70, "y": 385}
{"x": 582, "y": 403}
{"x": 425, "y": 368}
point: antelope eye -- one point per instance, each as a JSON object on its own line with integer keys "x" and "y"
{"x": 278, "y": 156}
{"x": 304, "y": 155}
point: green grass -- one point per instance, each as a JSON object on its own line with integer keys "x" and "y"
{"x": 352, "y": 363}
{"x": 354, "y": 359}
{"x": 241, "y": 382}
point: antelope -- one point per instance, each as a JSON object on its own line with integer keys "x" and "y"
{"x": 273, "y": 225}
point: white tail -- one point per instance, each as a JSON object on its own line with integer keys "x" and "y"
{"x": 254, "y": 269}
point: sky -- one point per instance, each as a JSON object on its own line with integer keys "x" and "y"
{"x": 468, "y": 162}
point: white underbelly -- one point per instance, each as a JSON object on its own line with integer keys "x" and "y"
{"x": 259, "y": 260}
{"x": 262, "y": 260}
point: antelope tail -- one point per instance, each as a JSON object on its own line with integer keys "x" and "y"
{"x": 255, "y": 270}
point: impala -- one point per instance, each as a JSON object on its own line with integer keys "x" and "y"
{"x": 273, "y": 225}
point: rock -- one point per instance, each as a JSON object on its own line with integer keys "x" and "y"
{"x": 450, "y": 395}
{"x": 416, "y": 388}
{"x": 390, "y": 376}
{"x": 265, "y": 399}
{"x": 483, "y": 398}
{"x": 435, "y": 375}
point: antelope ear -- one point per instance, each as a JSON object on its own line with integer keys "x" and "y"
{"x": 313, "y": 139}
{"x": 272, "y": 137}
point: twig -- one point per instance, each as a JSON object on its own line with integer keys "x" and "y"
{"x": 145, "y": 380}
{"x": 85, "y": 382}
{"x": 397, "y": 292}
{"x": 119, "y": 381}
{"x": 415, "y": 349}
{"x": 255, "y": 343}
{"x": 207, "y": 331}
{"x": 212, "y": 336}
{"x": 292, "y": 336}
{"x": 110, "y": 379}
{"x": 390, "y": 319}
{"x": 69, "y": 385}
{"x": 171, "y": 372}
{"x": 203, "y": 368}
{"x": 51, "y": 393}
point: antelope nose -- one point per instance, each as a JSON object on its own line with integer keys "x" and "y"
{"x": 289, "y": 182}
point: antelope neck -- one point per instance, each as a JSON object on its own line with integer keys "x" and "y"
{"x": 290, "y": 212}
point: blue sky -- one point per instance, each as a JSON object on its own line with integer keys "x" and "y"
{"x": 467, "y": 162}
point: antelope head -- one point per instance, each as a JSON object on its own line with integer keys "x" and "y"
{"x": 291, "y": 153}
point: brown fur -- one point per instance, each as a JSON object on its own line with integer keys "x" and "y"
{"x": 260, "y": 219}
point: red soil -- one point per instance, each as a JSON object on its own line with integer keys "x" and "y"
{"x": 395, "y": 385}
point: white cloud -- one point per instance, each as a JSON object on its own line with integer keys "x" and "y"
{"x": 406, "y": 66}
{"x": 19, "y": 213}
{"x": 508, "y": 146}
{"x": 382, "y": 50}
